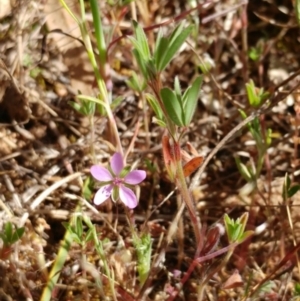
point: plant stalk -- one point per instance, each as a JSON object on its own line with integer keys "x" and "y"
{"x": 186, "y": 196}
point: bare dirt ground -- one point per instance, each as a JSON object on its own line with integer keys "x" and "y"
{"x": 44, "y": 143}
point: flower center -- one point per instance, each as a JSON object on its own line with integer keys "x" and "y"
{"x": 118, "y": 181}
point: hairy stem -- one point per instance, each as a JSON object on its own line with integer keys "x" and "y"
{"x": 186, "y": 196}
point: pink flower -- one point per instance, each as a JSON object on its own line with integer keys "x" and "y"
{"x": 115, "y": 182}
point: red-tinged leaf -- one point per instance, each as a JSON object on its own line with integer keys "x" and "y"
{"x": 192, "y": 166}
{"x": 235, "y": 280}
{"x": 168, "y": 155}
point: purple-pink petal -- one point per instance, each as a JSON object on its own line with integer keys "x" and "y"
{"x": 116, "y": 163}
{"x": 101, "y": 174}
{"x": 128, "y": 197}
{"x": 135, "y": 177}
{"x": 103, "y": 194}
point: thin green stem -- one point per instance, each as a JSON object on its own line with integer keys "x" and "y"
{"x": 104, "y": 96}
{"x": 99, "y": 36}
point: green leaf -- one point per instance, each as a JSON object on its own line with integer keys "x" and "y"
{"x": 88, "y": 108}
{"x": 245, "y": 235}
{"x": 297, "y": 289}
{"x": 135, "y": 84}
{"x": 132, "y": 83}
{"x": 255, "y": 53}
{"x": 255, "y": 130}
{"x": 269, "y": 137}
{"x": 8, "y": 230}
{"x": 155, "y": 106}
{"x": 255, "y": 96}
{"x": 115, "y": 103}
{"x": 142, "y": 63}
{"x": 227, "y": 219}
{"x": 243, "y": 114}
{"x": 254, "y": 100}
{"x": 162, "y": 45}
{"x": 235, "y": 228}
{"x": 17, "y": 234}
{"x": 136, "y": 45}
{"x": 159, "y": 122}
{"x": 86, "y": 189}
{"x": 125, "y": 171}
{"x": 78, "y": 226}
{"x": 150, "y": 165}
{"x": 141, "y": 40}
{"x": 263, "y": 95}
{"x": 176, "y": 40}
{"x": 293, "y": 190}
{"x": 235, "y": 231}
{"x": 228, "y": 225}
{"x": 190, "y": 100}
{"x": 172, "y": 105}
{"x": 77, "y": 107}
{"x": 143, "y": 247}
{"x": 243, "y": 221}
{"x": 89, "y": 235}
{"x": 91, "y": 99}
{"x": 177, "y": 87}
{"x": 249, "y": 124}
{"x": 151, "y": 70}
{"x": 243, "y": 169}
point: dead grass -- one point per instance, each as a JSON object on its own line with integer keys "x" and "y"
{"x": 43, "y": 141}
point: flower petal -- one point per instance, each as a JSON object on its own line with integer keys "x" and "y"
{"x": 116, "y": 163}
{"x": 128, "y": 197}
{"x": 135, "y": 177}
{"x": 103, "y": 194}
{"x": 101, "y": 174}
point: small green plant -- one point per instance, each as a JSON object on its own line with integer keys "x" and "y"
{"x": 235, "y": 229}
{"x": 297, "y": 290}
{"x": 255, "y": 53}
{"x": 289, "y": 190}
{"x": 174, "y": 109}
{"x": 9, "y": 236}
{"x": 143, "y": 247}
{"x": 256, "y": 96}
{"x": 261, "y": 135}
